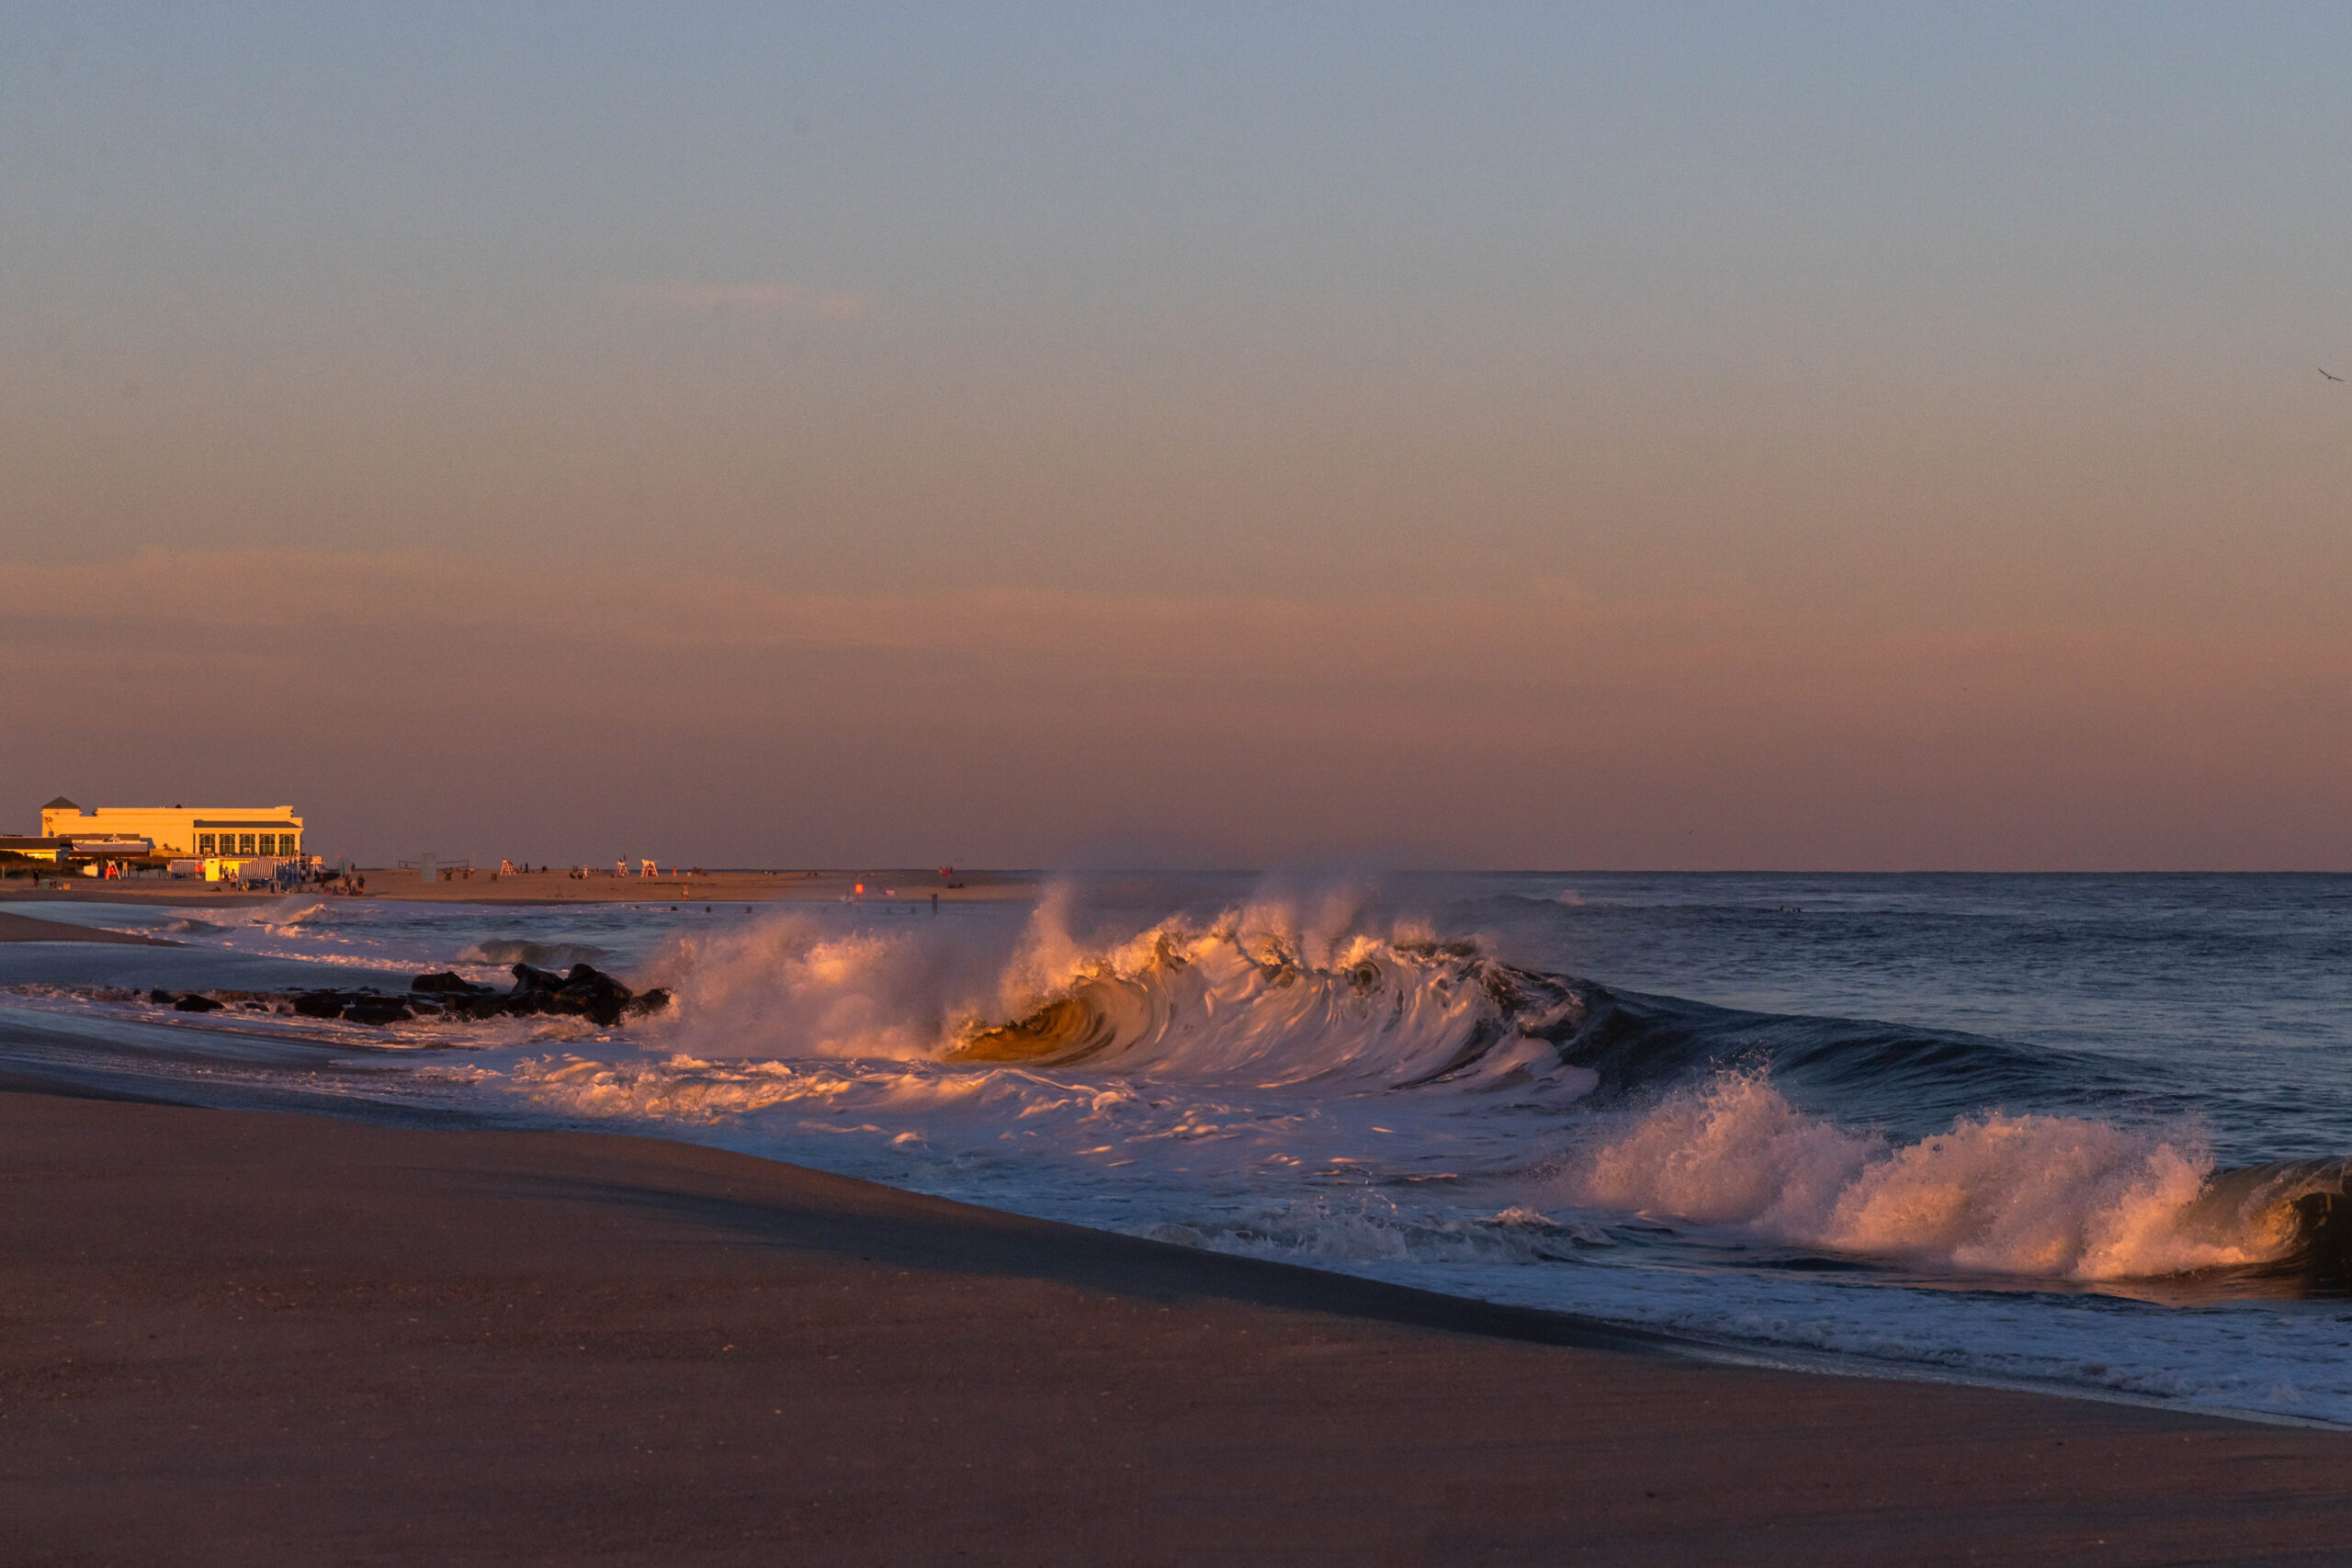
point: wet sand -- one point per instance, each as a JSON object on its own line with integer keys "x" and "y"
{"x": 243, "y": 1336}
{"x": 25, "y": 927}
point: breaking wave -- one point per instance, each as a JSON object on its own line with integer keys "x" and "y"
{"x": 1252, "y": 996}
{"x": 1272, "y": 1036}
{"x": 279, "y": 915}
{"x": 2039, "y": 1196}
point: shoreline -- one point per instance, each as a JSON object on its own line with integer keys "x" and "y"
{"x": 26, "y": 928}
{"x": 531, "y": 889}
{"x": 301, "y": 1335}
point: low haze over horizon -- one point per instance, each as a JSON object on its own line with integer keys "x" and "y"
{"x": 1826, "y": 437}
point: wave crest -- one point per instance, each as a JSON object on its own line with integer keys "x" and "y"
{"x": 1238, "y": 996}
{"x": 1058, "y": 1031}
{"x": 1256, "y": 994}
{"x": 2052, "y": 1197}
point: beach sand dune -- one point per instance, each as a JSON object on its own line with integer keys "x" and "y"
{"x": 246, "y": 1337}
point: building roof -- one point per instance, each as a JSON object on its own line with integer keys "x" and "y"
{"x": 253, "y": 822}
{"x": 20, "y": 842}
{"x": 60, "y": 804}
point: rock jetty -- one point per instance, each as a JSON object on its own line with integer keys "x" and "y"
{"x": 584, "y": 991}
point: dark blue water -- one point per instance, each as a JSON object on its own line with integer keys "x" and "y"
{"x": 1970, "y": 1125}
{"x": 2137, "y": 997}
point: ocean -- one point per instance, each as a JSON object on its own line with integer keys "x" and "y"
{"x": 2082, "y": 1133}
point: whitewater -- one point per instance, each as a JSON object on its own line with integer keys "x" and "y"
{"x": 2082, "y": 1134}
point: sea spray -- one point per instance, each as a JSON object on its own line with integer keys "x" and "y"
{"x": 2001, "y": 1082}
{"x": 2032, "y": 1195}
{"x": 1276, "y": 997}
{"x": 502, "y": 952}
{"x": 800, "y": 985}
{"x": 1258, "y": 993}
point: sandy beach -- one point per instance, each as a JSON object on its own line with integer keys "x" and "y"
{"x": 246, "y": 1337}
{"x": 672, "y": 884}
{"x": 25, "y": 927}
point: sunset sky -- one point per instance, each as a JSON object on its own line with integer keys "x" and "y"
{"x": 1777, "y": 436}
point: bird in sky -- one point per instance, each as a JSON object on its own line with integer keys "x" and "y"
{"x": 2323, "y": 372}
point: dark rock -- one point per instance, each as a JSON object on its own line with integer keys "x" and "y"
{"x": 590, "y": 990}
{"x": 584, "y": 991}
{"x": 193, "y": 1003}
{"x": 161, "y": 998}
{"x": 528, "y": 979}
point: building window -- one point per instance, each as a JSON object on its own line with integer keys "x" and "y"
{"x": 245, "y": 843}
{"x": 270, "y": 843}
{"x": 288, "y": 843}
{"x": 204, "y": 843}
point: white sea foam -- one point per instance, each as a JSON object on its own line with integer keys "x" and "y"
{"x": 1269, "y": 1003}
{"x": 1264, "y": 993}
{"x": 2047, "y": 1197}
{"x": 1296, "y": 1079}
{"x": 800, "y": 985}
{"x": 279, "y": 915}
